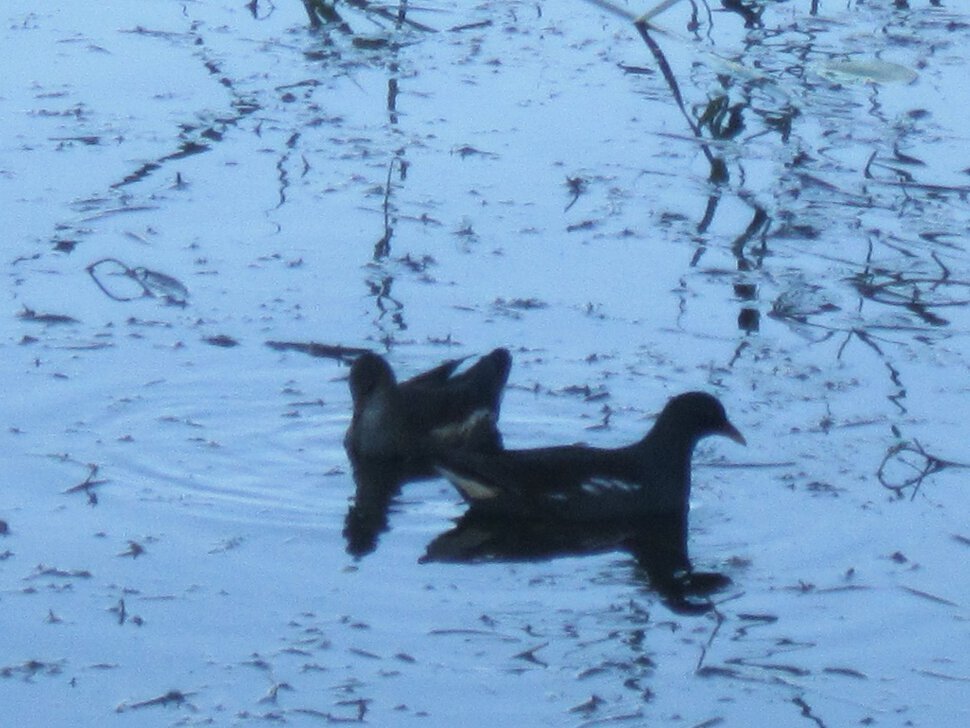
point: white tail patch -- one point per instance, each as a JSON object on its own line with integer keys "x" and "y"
{"x": 472, "y": 489}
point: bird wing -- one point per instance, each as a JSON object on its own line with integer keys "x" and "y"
{"x": 546, "y": 480}
{"x": 434, "y": 377}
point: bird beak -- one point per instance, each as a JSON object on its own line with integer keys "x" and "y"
{"x": 732, "y": 432}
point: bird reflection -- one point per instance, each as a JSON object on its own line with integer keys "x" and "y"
{"x": 657, "y": 544}
{"x": 378, "y": 483}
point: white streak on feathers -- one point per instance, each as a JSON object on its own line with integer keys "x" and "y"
{"x": 458, "y": 431}
{"x": 599, "y": 486}
{"x": 474, "y": 490}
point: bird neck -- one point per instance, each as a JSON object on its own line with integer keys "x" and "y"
{"x": 665, "y": 456}
{"x": 378, "y": 424}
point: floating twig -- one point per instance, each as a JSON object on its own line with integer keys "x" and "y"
{"x": 152, "y": 283}
{"x": 807, "y": 711}
{"x": 930, "y": 464}
{"x": 87, "y": 485}
{"x": 576, "y": 186}
{"x": 344, "y": 354}
{"x": 943, "y": 675}
{"x": 928, "y": 596}
{"x": 398, "y": 17}
{"x": 52, "y": 571}
{"x": 529, "y": 655}
{"x": 172, "y": 697}
{"x": 29, "y": 314}
{"x": 134, "y": 550}
{"x": 636, "y": 715}
{"x": 719, "y": 620}
{"x": 120, "y": 610}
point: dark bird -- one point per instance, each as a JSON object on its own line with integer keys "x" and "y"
{"x": 434, "y": 411}
{"x": 579, "y": 483}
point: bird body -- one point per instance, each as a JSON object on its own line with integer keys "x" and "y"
{"x": 433, "y": 411}
{"x": 580, "y": 483}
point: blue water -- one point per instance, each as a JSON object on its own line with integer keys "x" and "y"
{"x": 820, "y": 291}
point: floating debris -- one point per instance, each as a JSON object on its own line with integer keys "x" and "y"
{"x": 273, "y": 692}
{"x": 40, "y": 570}
{"x": 339, "y": 352}
{"x": 375, "y": 43}
{"x": 123, "y": 615}
{"x": 529, "y": 655}
{"x": 134, "y": 550}
{"x": 222, "y": 340}
{"x": 30, "y": 668}
{"x": 150, "y": 283}
{"x": 29, "y": 314}
{"x": 847, "y": 671}
{"x": 161, "y": 286}
{"x": 914, "y": 457}
{"x": 466, "y": 150}
{"x": 589, "y": 706}
{"x": 470, "y": 26}
{"x": 91, "y": 140}
{"x": 801, "y": 301}
{"x": 576, "y": 186}
{"x": 87, "y": 485}
{"x": 512, "y": 306}
{"x": 929, "y": 597}
{"x": 871, "y": 70}
{"x": 919, "y": 294}
{"x": 172, "y": 697}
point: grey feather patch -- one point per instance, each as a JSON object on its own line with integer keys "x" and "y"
{"x": 461, "y": 430}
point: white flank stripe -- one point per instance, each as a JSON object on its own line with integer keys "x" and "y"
{"x": 598, "y": 486}
{"x": 472, "y": 489}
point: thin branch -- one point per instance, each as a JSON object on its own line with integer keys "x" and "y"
{"x": 930, "y": 464}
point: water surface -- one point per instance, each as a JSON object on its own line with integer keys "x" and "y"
{"x": 522, "y": 177}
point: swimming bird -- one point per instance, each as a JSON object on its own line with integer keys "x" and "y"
{"x": 580, "y": 483}
{"x": 433, "y": 411}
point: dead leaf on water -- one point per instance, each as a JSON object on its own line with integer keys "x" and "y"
{"x": 872, "y": 70}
